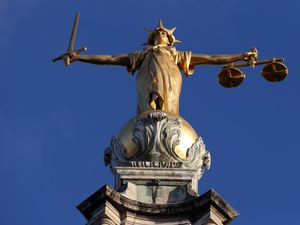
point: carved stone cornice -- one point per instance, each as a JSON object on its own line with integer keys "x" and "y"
{"x": 207, "y": 207}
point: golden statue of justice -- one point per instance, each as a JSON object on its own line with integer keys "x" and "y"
{"x": 158, "y": 66}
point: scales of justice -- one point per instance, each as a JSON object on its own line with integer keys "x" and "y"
{"x": 157, "y": 157}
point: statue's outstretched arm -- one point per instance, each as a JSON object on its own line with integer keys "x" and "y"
{"x": 121, "y": 60}
{"x": 197, "y": 59}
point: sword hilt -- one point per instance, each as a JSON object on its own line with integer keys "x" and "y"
{"x": 69, "y": 55}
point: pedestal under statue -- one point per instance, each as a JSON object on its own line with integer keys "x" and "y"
{"x": 157, "y": 159}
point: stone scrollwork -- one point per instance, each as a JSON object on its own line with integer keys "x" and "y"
{"x": 198, "y": 157}
{"x": 157, "y": 116}
{"x": 170, "y": 136}
{"x": 157, "y": 136}
{"x": 144, "y": 133}
{"x": 198, "y": 152}
{"x": 115, "y": 154}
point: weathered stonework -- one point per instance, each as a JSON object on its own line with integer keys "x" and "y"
{"x": 163, "y": 176}
{"x": 157, "y": 160}
{"x": 157, "y": 135}
{"x": 108, "y": 206}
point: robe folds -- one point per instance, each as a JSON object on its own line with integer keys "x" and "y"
{"x": 159, "y": 79}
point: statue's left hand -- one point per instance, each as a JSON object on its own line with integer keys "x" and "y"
{"x": 251, "y": 56}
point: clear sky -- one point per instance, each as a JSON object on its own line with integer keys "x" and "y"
{"x": 55, "y": 122}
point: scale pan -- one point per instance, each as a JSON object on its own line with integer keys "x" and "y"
{"x": 274, "y": 72}
{"x": 231, "y": 77}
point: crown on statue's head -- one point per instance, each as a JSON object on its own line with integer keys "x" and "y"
{"x": 160, "y": 27}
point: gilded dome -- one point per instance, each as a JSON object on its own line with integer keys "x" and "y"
{"x": 183, "y": 135}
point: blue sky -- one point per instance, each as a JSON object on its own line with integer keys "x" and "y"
{"x": 55, "y": 122}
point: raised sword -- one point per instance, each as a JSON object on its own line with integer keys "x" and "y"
{"x": 70, "y": 51}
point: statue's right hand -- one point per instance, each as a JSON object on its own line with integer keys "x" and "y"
{"x": 69, "y": 58}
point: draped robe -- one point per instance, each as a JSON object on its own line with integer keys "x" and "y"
{"x": 159, "y": 79}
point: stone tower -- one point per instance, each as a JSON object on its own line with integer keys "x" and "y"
{"x": 157, "y": 159}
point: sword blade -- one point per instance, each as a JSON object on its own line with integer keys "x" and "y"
{"x": 73, "y": 34}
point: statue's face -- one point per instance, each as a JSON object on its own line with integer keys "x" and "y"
{"x": 161, "y": 38}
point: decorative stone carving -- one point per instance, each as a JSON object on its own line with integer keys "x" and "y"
{"x": 198, "y": 157}
{"x": 157, "y": 136}
{"x": 155, "y": 164}
{"x": 103, "y": 221}
{"x": 112, "y": 207}
{"x": 114, "y": 155}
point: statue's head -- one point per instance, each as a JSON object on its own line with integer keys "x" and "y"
{"x": 161, "y": 35}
